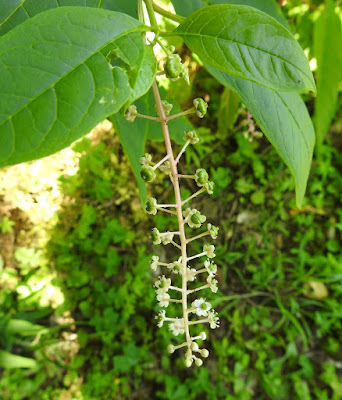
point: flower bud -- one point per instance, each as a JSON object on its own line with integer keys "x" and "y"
{"x": 147, "y": 173}
{"x": 194, "y": 346}
{"x": 198, "y": 362}
{"x": 204, "y": 353}
{"x": 188, "y": 362}
{"x": 201, "y": 107}
{"x": 203, "y": 335}
{"x": 170, "y": 348}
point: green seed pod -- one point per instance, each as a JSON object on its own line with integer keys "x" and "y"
{"x": 201, "y": 177}
{"x": 173, "y": 68}
{"x": 201, "y": 107}
{"x": 147, "y": 173}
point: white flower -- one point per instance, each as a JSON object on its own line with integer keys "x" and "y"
{"x": 160, "y": 318}
{"x": 177, "y": 268}
{"x": 190, "y": 274}
{"x": 154, "y": 263}
{"x": 213, "y": 319}
{"x": 146, "y": 160}
{"x": 131, "y": 113}
{"x": 166, "y": 168}
{"x": 213, "y": 230}
{"x": 209, "y": 250}
{"x": 209, "y": 187}
{"x": 193, "y": 217}
{"x": 167, "y": 237}
{"x": 162, "y": 284}
{"x": 210, "y": 267}
{"x": 167, "y": 107}
{"x": 191, "y": 136}
{"x": 177, "y": 326}
{"x": 212, "y": 284}
{"x": 201, "y": 307}
{"x": 163, "y": 299}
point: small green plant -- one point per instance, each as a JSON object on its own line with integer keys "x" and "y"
{"x": 68, "y": 68}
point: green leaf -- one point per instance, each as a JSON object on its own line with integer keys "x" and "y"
{"x": 328, "y": 52}
{"x": 132, "y": 137}
{"x": 248, "y": 44}
{"x": 186, "y": 8}
{"x": 23, "y": 328}
{"x": 55, "y": 81}
{"x": 146, "y": 75}
{"x": 269, "y": 7}
{"x": 228, "y": 111}
{"x": 14, "y": 12}
{"x": 284, "y": 119}
{"x": 125, "y": 6}
{"x": 8, "y": 360}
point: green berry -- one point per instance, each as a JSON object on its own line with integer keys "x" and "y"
{"x": 173, "y": 68}
{"x": 147, "y": 173}
{"x": 201, "y": 177}
{"x": 155, "y": 236}
{"x": 197, "y": 218}
{"x": 151, "y": 206}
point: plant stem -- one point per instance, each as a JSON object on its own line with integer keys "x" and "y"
{"x": 182, "y": 151}
{"x": 151, "y": 15}
{"x": 193, "y": 195}
{"x": 198, "y": 236}
{"x": 146, "y": 117}
{"x": 167, "y": 14}
{"x": 155, "y": 166}
{"x": 178, "y": 201}
{"x": 180, "y": 114}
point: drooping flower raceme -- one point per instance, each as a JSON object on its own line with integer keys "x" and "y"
{"x": 188, "y": 269}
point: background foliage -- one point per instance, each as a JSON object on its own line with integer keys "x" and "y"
{"x": 77, "y": 303}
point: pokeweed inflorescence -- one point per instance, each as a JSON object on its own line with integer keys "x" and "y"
{"x": 184, "y": 278}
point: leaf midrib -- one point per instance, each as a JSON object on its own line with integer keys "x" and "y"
{"x": 66, "y": 74}
{"x": 13, "y": 12}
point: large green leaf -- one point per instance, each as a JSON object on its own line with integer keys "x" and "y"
{"x": 133, "y": 136}
{"x": 14, "y": 12}
{"x": 186, "y": 8}
{"x": 249, "y": 44}
{"x": 10, "y": 361}
{"x": 269, "y": 7}
{"x": 284, "y": 119}
{"x": 125, "y": 6}
{"x": 328, "y": 52}
{"x": 146, "y": 74}
{"x": 56, "y": 83}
